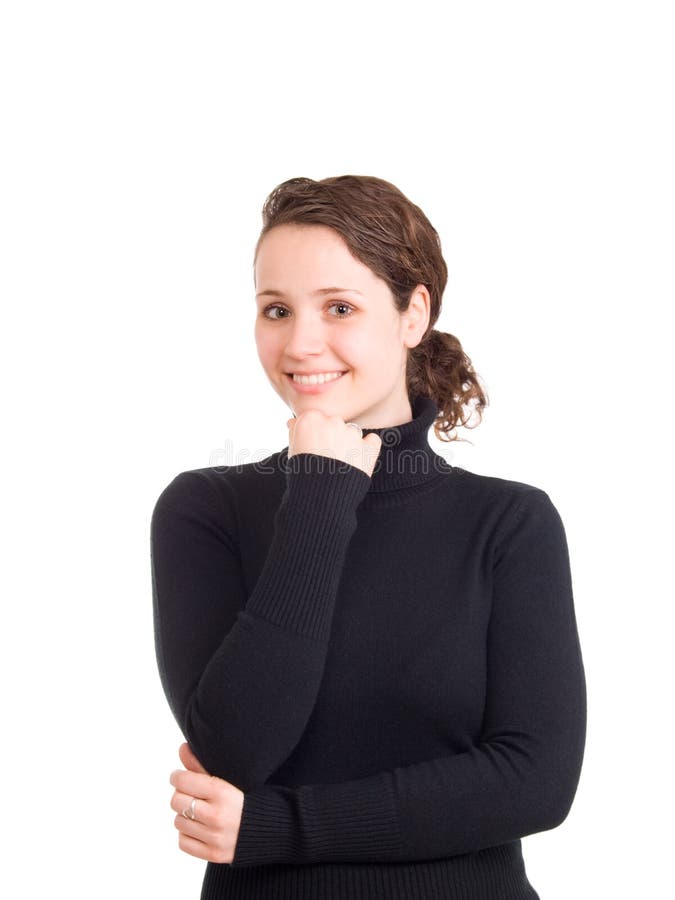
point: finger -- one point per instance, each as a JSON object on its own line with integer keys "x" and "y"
{"x": 193, "y": 828}
{"x": 189, "y": 760}
{"x": 195, "y": 784}
{"x": 182, "y": 802}
{"x": 194, "y": 846}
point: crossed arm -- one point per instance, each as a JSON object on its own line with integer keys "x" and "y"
{"x": 519, "y": 778}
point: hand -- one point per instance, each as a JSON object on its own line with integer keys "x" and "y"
{"x": 213, "y": 833}
{"x": 313, "y": 431}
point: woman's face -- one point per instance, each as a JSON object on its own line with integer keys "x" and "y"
{"x": 305, "y": 325}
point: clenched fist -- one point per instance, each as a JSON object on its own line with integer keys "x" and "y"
{"x": 313, "y": 431}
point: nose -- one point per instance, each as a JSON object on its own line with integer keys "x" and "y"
{"x": 305, "y": 337}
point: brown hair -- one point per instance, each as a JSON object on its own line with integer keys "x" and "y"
{"x": 393, "y": 237}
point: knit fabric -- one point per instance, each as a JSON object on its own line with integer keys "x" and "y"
{"x": 389, "y": 667}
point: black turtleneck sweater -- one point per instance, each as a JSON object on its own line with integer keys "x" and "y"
{"x": 388, "y": 666}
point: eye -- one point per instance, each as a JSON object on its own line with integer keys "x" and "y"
{"x": 268, "y": 308}
{"x": 346, "y": 306}
{"x": 339, "y": 303}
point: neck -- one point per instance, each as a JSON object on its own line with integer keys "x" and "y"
{"x": 406, "y": 459}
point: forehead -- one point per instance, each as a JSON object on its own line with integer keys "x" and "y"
{"x": 301, "y": 242}
{"x": 293, "y": 255}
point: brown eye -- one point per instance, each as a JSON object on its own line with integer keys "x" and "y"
{"x": 345, "y": 306}
{"x": 338, "y": 303}
{"x": 274, "y": 306}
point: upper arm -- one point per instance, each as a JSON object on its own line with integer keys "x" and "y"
{"x": 197, "y": 581}
{"x": 536, "y": 698}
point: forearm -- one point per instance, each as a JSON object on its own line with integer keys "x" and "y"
{"x": 493, "y": 794}
{"x": 245, "y": 706}
{"x": 520, "y": 775}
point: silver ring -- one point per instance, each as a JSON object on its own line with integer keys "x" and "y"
{"x": 190, "y": 813}
{"x": 357, "y": 426}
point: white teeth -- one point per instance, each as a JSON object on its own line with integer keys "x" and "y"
{"x": 317, "y": 379}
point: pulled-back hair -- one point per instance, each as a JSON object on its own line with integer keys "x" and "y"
{"x": 393, "y": 237}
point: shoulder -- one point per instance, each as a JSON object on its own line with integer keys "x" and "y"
{"x": 222, "y": 489}
{"x": 492, "y": 489}
{"x": 503, "y": 505}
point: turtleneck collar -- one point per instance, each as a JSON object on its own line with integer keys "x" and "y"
{"x": 406, "y": 458}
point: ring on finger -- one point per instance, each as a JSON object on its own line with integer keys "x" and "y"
{"x": 189, "y": 812}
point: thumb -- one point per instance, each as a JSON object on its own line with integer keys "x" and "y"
{"x": 189, "y": 760}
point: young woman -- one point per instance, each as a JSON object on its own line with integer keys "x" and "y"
{"x": 372, "y": 654}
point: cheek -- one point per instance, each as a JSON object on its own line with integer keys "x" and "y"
{"x": 266, "y": 346}
{"x": 372, "y": 348}
{"x": 359, "y": 345}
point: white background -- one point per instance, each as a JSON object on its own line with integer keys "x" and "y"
{"x": 140, "y": 140}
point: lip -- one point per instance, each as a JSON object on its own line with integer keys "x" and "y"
{"x": 313, "y": 388}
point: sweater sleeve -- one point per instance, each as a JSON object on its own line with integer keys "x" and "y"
{"x": 520, "y": 777}
{"x": 242, "y": 673}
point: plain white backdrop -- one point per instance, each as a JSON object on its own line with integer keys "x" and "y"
{"x": 140, "y": 140}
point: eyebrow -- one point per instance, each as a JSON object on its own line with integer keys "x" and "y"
{"x": 318, "y": 293}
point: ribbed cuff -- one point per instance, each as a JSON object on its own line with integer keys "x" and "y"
{"x": 351, "y": 821}
{"x": 313, "y": 526}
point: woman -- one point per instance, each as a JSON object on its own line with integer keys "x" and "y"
{"x": 372, "y": 654}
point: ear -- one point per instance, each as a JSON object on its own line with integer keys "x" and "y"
{"x": 417, "y": 316}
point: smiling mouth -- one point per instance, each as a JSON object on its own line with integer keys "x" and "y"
{"x": 321, "y": 378}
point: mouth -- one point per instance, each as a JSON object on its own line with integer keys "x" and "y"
{"x": 313, "y": 384}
